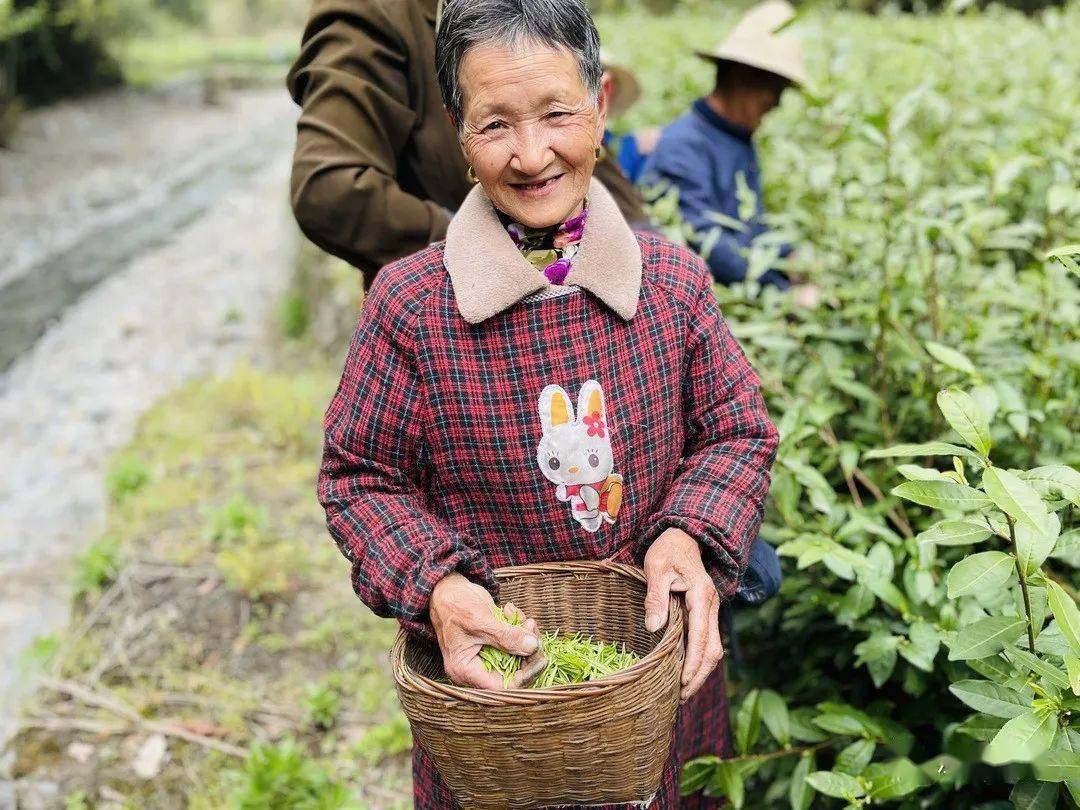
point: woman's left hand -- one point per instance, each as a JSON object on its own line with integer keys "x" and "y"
{"x": 673, "y": 565}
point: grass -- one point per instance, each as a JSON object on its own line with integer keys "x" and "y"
{"x": 225, "y": 610}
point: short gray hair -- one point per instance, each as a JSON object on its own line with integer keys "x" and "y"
{"x": 552, "y": 23}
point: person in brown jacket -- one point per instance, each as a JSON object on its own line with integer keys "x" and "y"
{"x": 377, "y": 171}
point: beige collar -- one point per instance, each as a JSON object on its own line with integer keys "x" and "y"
{"x": 489, "y": 274}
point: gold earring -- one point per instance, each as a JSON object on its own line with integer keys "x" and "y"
{"x": 601, "y": 152}
{"x": 470, "y": 175}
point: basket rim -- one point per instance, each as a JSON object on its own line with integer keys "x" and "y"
{"x": 410, "y": 680}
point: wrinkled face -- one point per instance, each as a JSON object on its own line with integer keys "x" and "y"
{"x": 568, "y": 455}
{"x": 530, "y": 130}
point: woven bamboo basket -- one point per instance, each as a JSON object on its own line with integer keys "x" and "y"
{"x": 601, "y": 742}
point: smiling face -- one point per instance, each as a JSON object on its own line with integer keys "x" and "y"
{"x": 530, "y": 129}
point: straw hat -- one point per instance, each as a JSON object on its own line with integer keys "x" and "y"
{"x": 626, "y": 89}
{"x": 753, "y": 42}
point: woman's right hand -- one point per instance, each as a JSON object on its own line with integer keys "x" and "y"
{"x": 463, "y": 615}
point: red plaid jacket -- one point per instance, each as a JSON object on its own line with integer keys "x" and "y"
{"x": 430, "y": 460}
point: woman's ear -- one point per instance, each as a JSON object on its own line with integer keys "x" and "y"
{"x": 607, "y": 87}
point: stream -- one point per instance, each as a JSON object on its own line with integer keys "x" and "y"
{"x": 144, "y": 240}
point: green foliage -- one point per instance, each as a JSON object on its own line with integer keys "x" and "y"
{"x": 127, "y": 475}
{"x": 235, "y": 521}
{"x": 262, "y": 566}
{"x": 42, "y": 650}
{"x": 385, "y": 740}
{"x": 322, "y": 705}
{"x": 96, "y": 567}
{"x": 295, "y": 316}
{"x": 280, "y": 777}
{"x": 930, "y": 213}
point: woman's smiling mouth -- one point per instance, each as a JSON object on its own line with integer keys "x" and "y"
{"x": 538, "y": 189}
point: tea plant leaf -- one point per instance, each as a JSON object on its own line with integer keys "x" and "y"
{"x": 1058, "y": 766}
{"x": 991, "y": 698}
{"x": 1067, "y": 548}
{"x": 1067, "y": 614}
{"x": 1034, "y": 796}
{"x": 891, "y": 780}
{"x": 1042, "y": 668}
{"x": 1015, "y": 497}
{"x": 985, "y": 637}
{"x": 728, "y": 781}
{"x": 1033, "y": 547}
{"x": 966, "y": 417}
{"x": 955, "y": 533}
{"x": 1056, "y": 482}
{"x": 942, "y": 495}
{"x": 800, "y": 794}
{"x": 950, "y": 357}
{"x": 922, "y": 647}
{"x": 924, "y": 449}
{"x": 747, "y": 722}
{"x": 1022, "y": 739}
{"x": 1072, "y": 667}
{"x": 855, "y": 757}
{"x": 837, "y": 785}
{"x": 878, "y": 653}
{"x": 775, "y": 715}
{"x": 979, "y": 572}
{"x": 697, "y": 773}
{"x": 981, "y": 727}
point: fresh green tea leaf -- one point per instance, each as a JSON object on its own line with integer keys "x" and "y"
{"x": 979, "y": 572}
{"x": 985, "y": 637}
{"x": 955, "y": 533}
{"x": 1022, "y": 739}
{"x": 838, "y": 785}
{"x": 991, "y": 698}
{"x": 1016, "y": 498}
{"x": 1067, "y": 614}
{"x": 942, "y": 495}
{"x": 966, "y": 417}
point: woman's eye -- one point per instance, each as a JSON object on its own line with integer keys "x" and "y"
{"x": 557, "y": 114}
{"x": 494, "y": 125}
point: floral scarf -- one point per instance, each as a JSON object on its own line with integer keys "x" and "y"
{"x": 550, "y": 250}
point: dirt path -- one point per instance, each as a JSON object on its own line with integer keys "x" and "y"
{"x": 190, "y": 299}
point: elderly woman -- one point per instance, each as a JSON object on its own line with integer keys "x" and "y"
{"x": 544, "y": 385}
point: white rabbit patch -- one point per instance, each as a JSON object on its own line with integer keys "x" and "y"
{"x": 576, "y": 455}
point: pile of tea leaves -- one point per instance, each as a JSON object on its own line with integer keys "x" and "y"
{"x": 571, "y": 657}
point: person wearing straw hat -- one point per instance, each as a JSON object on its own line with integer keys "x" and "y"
{"x": 630, "y": 150}
{"x": 708, "y": 154}
{"x": 377, "y": 173}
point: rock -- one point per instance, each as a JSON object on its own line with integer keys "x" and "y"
{"x": 151, "y": 756}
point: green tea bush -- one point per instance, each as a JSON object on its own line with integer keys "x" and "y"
{"x": 127, "y": 475}
{"x": 280, "y": 777}
{"x": 96, "y": 567}
{"x": 924, "y": 178}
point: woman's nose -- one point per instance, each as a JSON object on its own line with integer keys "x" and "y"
{"x": 531, "y": 156}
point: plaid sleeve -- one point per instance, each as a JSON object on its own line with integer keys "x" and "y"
{"x": 718, "y": 492}
{"x": 370, "y": 477}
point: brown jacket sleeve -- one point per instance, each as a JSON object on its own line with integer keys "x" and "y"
{"x": 626, "y": 195}
{"x": 351, "y": 80}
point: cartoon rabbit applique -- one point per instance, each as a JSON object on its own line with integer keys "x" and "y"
{"x": 576, "y": 455}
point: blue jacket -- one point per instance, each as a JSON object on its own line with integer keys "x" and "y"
{"x": 625, "y": 147}
{"x": 702, "y": 153}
